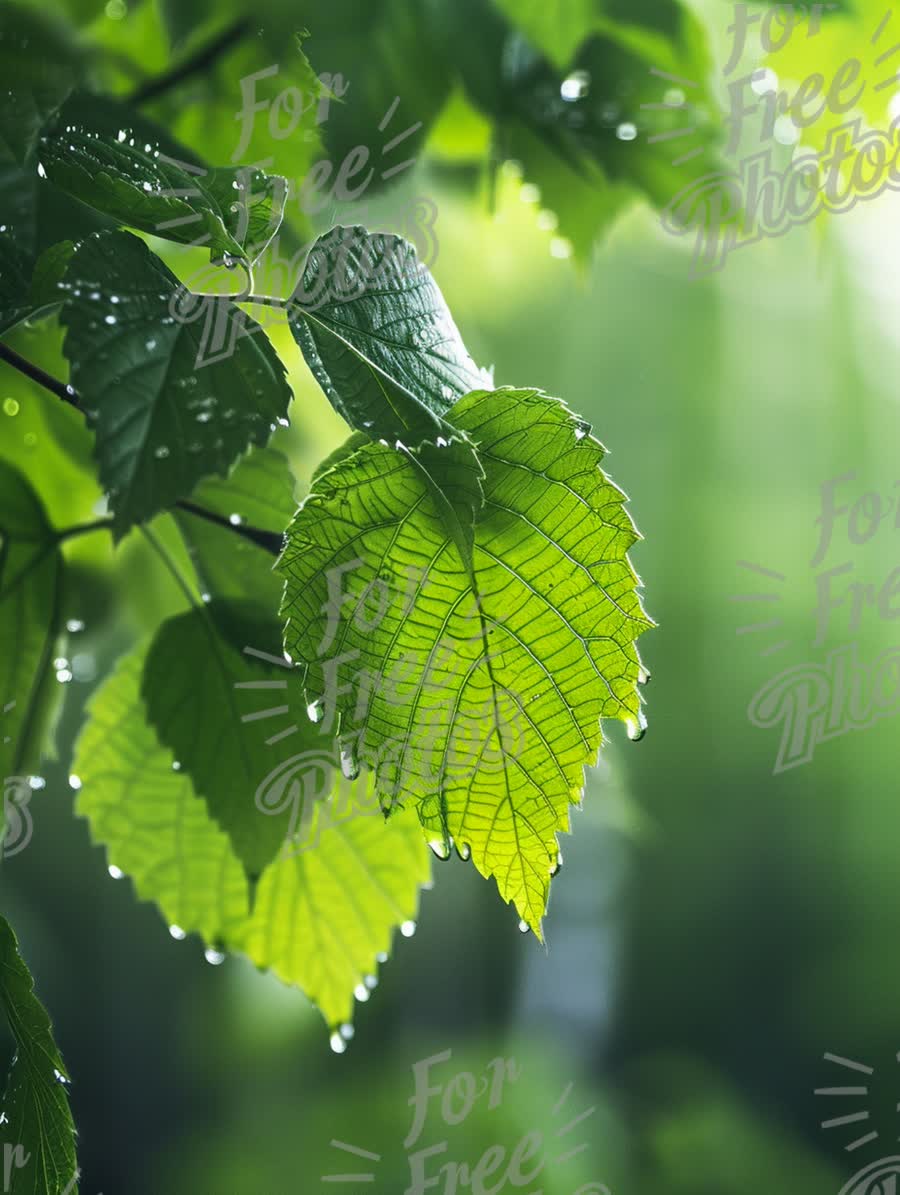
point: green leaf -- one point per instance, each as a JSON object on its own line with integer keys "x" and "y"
{"x": 321, "y": 917}
{"x": 29, "y": 289}
{"x": 235, "y": 212}
{"x": 558, "y": 27}
{"x": 365, "y": 301}
{"x": 194, "y": 678}
{"x": 31, "y": 573}
{"x": 396, "y": 77}
{"x": 166, "y": 412}
{"x": 259, "y": 493}
{"x": 39, "y": 66}
{"x": 36, "y": 1129}
{"x": 488, "y": 697}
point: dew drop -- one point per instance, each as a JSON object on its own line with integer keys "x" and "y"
{"x": 42, "y": 173}
{"x": 575, "y": 86}
{"x": 75, "y": 782}
{"x": 381, "y": 957}
{"x": 337, "y": 1043}
{"x": 464, "y": 851}
{"x": 109, "y": 319}
{"x": 10, "y": 407}
{"x": 361, "y": 992}
{"x": 215, "y": 958}
{"x": 161, "y": 452}
{"x": 408, "y": 928}
{"x": 349, "y": 763}
{"x": 524, "y": 927}
{"x": 626, "y": 131}
{"x": 176, "y": 766}
{"x": 177, "y": 933}
{"x": 235, "y": 520}
{"x": 116, "y": 872}
{"x": 440, "y": 848}
{"x": 315, "y": 711}
{"x": 347, "y": 1031}
{"x": 371, "y": 982}
{"x": 36, "y": 783}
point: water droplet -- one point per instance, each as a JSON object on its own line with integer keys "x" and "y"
{"x": 636, "y": 730}
{"x": 464, "y": 851}
{"x": 176, "y": 766}
{"x": 582, "y": 429}
{"x": 361, "y": 992}
{"x": 337, "y": 1043}
{"x": 75, "y": 782}
{"x": 64, "y": 676}
{"x": 116, "y": 872}
{"x": 556, "y": 868}
{"x": 626, "y": 131}
{"x": 177, "y": 933}
{"x": 10, "y": 407}
{"x": 524, "y": 927}
{"x": 381, "y": 956}
{"x": 349, "y": 763}
{"x": 41, "y": 171}
{"x": 530, "y": 193}
{"x": 575, "y": 86}
{"x": 371, "y": 982}
{"x": 440, "y": 848}
{"x": 643, "y": 676}
{"x": 315, "y": 711}
{"x": 215, "y": 958}
{"x": 204, "y": 417}
{"x": 560, "y": 247}
{"x": 235, "y": 520}
{"x": 161, "y": 452}
{"x": 408, "y": 928}
{"x": 150, "y": 345}
{"x": 59, "y": 1077}
{"x": 109, "y": 319}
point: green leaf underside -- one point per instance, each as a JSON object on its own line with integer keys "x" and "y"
{"x": 39, "y": 66}
{"x": 31, "y": 570}
{"x": 190, "y": 685}
{"x": 321, "y": 917}
{"x": 235, "y": 211}
{"x": 36, "y": 1114}
{"x": 29, "y": 288}
{"x": 167, "y": 413}
{"x": 364, "y": 300}
{"x": 487, "y": 710}
{"x": 260, "y": 492}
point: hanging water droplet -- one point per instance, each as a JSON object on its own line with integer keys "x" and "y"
{"x": 347, "y": 1031}
{"x": 361, "y": 992}
{"x": 371, "y": 982}
{"x": 636, "y": 730}
{"x": 556, "y": 868}
{"x": 315, "y": 710}
{"x": 42, "y": 173}
{"x": 643, "y": 676}
{"x": 215, "y": 958}
{"x": 116, "y": 873}
{"x": 75, "y": 782}
{"x": 177, "y": 933}
{"x": 524, "y": 927}
{"x": 349, "y": 763}
{"x": 440, "y": 848}
{"x": 59, "y": 1076}
{"x": 36, "y": 783}
{"x": 408, "y": 928}
{"x": 337, "y": 1043}
{"x": 381, "y": 956}
{"x": 626, "y": 131}
{"x": 575, "y": 86}
{"x": 464, "y": 851}
{"x": 582, "y": 429}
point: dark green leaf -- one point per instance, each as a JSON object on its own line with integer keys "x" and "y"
{"x": 139, "y": 183}
{"x": 31, "y": 571}
{"x": 39, "y": 66}
{"x": 194, "y": 680}
{"x": 168, "y": 411}
{"x": 36, "y": 1129}
{"x": 365, "y": 301}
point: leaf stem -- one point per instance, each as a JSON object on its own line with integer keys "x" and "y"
{"x": 270, "y": 541}
{"x": 205, "y": 57}
{"x": 170, "y": 565}
{"x": 84, "y": 529}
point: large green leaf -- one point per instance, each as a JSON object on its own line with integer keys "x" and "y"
{"x": 166, "y": 414}
{"x": 31, "y": 571}
{"x": 488, "y": 691}
{"x": 39, "y": 66}
{"x": 365, "y": 301}
{"x": 36, "y": 1130}
{"x": 193, "y": 680}
{"x": 29, "y": 288}
{"x": 322, "y": 916}
{"x": 139, "y": 183}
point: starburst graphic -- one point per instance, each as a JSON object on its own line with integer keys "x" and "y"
{"x": 845, "y": 1092}
{"x": 674, "y": 101}
{"x": 769, "y": 624}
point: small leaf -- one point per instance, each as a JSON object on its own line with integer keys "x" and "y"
{"x": 504, "y": 673}
{"x": 366, "y": 310}
{"x": 321, "y": 917}
{"x": 39, "y": 66}
{"x": 233, "y": 211}
{"x": 31, "y": 575}
{"x": 36, "y": 1129}
{"x": 166, "y": 414}
{"x": 194, "y": 679}
{"x": 259, "y": 493}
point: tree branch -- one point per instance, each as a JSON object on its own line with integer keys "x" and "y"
{"x": 269, "y": 541}
{"x": 199, "y": 62}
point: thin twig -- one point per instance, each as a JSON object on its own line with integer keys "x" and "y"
{"x": 269, "y": 541}
{"x": 199, "y": 62}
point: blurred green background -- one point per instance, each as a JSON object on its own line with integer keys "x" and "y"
{"x": 717, "y": 927}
